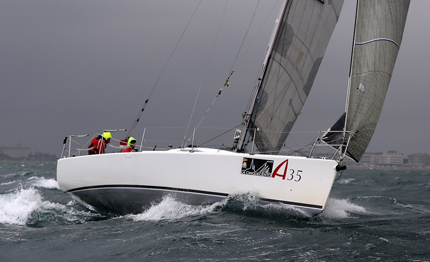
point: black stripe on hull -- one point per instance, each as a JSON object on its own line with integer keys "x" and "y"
{"x": 150, "y": 187}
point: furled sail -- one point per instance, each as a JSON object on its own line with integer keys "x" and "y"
{"x": 378, "y": 34}
{"x": 299, "y": 45}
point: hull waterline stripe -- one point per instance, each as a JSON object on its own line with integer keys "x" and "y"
{"x": 149, "y": 187}
{"x": 189, "y": 191}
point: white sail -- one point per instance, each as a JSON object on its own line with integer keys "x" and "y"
{"x": 378, "y": 34}
{"x": 300, "y": 42}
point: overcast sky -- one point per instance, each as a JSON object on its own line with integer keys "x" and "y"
{"x": 81, "y": 66}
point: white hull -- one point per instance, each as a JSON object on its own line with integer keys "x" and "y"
{"x": 129, "y": 182}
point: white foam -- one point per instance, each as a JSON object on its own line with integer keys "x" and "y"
{"x": 16, "y": 208}
{"x": 43, "y": 182}
{"x": 250, "y": 201}
{"x": 346, "y": 181}
{"x": 341, "y": 208}
{"x": 8, "y": 183}
{"x": 170, "y": 209}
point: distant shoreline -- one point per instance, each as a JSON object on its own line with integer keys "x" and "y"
{"x": 27, "y": 161}
{"x": 389, "y": 167}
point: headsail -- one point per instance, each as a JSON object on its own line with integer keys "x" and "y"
{"x": 378, "y": 34}
{"x": 299, "y": 45}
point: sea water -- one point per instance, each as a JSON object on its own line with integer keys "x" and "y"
{"x": 371, "y": 215}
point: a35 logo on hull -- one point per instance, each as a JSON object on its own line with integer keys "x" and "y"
{"x": 263, "y": 167}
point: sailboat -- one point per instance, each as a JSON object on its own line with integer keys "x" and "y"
{"x": 130, "y": 182}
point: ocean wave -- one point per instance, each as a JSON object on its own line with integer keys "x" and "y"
{"x": 249, "y": 203}
{"x": 27, "y": 207}
{"x": 16, "y": 208}
{"x": 8, "y": 183}
{"x": 346, "y": 181}
{"x": 169, "y": 209}
{"x": 44, "y": 182}
{"x": 341, "y": 208}
{"x": 16, "y": 174}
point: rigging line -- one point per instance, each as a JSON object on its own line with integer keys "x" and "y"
{"x": 267, "y": 50}
{"x": 255, "y": 37}
{"x": 254, "y": 101}
{"x": 243, "y": 41}
{"x": 297, "y": 150}
{"x": 292, "y": 138}
{"x": 210, "y": 106}
{"x": 348, "y": 89}
{"x": 203, "y": 77}
{"x": 220, "y": 135}
{"x": 162, "y": 72}
{"x": 233, "y": 66}
{"x": 241, "y": 45}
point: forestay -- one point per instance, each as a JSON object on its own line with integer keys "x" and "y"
{"x": 299, "y": 45}
{"x": 378, "y": 34}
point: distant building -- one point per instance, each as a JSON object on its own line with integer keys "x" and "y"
{"x": 38, "y": 156}
{"x": 15, "y": 152}
{"x": 391, "y": 158}
{"x": 370, "y": 158}
{"x": 419, "y": 159}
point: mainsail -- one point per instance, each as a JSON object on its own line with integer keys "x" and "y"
{"x": 299, "y": 44}
{"x": 378, "y": 34}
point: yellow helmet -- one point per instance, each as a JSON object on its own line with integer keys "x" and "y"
{"x": 107, "y": 135}
{"x": 130, "y": 140}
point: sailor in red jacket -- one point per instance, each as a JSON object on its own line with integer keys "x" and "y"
{"x": 93, "y": 145}
{"x": 98, "y": 144}
{"x": 130, "y": 145}
{"x": 101, "y": 145}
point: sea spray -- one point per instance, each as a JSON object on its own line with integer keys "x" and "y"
{"x": 44, "y": 182}
{"x": 16, "y": 208}
{"x": 26, "y": 206}
{"x": 341, "y": 208}
{"x": 250, "y": 203}
{"x": 169, "y": 208}
{"x": 245, "y": 203}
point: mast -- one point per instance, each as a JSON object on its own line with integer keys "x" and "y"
{"x": 247, "y": 115}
